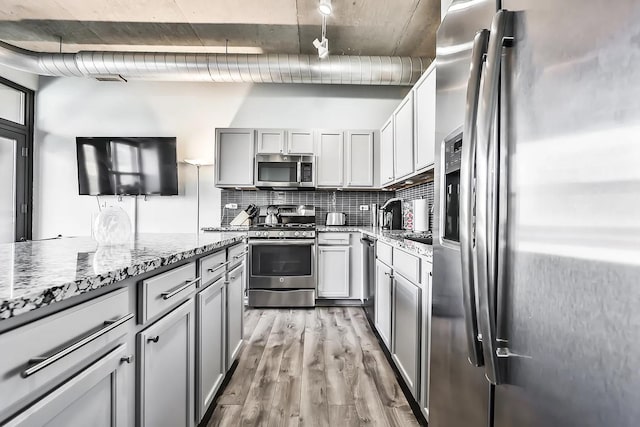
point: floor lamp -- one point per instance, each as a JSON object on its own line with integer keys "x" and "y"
{"x": 198, "y": 163}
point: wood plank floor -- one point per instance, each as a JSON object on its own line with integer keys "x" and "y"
{"x": 315, "y": 367}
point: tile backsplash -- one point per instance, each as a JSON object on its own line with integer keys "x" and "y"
{"x": 344, "y": 201}
{"x": 325, "y": 201}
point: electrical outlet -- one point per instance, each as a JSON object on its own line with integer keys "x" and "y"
{"x": 231, "y": 206}
{"x": 364, "y": 207}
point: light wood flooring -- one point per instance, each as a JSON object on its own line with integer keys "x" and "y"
{"x": 315, "y": 367}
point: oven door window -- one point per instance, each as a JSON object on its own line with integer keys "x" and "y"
{"x": 278, "y": 171}
{"x": 281, "y": 260}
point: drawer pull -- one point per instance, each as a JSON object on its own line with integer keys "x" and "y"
{"x": 127, "y": 359}
{"x": 173, "y": 293}
{"x": 222, "y": 264}
{"x": 240, "y": 255}
{"x": 232, "y": 277}
{"x": 154, "y": 339}
{"x": 391, "y": 276}
{"x": 43, "y": 362}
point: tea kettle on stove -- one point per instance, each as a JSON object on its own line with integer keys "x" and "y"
{"x": 272, "y": 215}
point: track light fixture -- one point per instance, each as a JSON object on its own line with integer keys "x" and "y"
{"x": 325, "y": 7}
{"x": 322, "y": 46}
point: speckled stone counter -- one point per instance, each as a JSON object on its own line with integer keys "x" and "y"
{"x": 38, "y": 273}
{"x": 244, "y": 228}
{"x": 392, "y": 237}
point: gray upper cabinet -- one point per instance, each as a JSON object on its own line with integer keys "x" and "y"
{"x": 425, "y": 120}
{"x": 97, "y": 396}
{"x": 407, "y": 308}
{"x": 235, "y": 312}
{"x": 211, "y": 346}
{"x": 234, "y": 157}
{"x": 166, "y": 370}
{"x": 300, "y": 142}
{"x": 271, "y": 141}
{"x": 330, "y": 160}
{"x": 403, "y": 138}
{"x": 386, "y": 153}
{"x": 359, "y": 159}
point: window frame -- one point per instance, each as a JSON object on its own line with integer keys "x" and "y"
{"x": 24, "y": 161}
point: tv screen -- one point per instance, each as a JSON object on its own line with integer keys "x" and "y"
{"x": 127, "y": 166}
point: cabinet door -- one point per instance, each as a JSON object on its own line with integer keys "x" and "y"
{"x": 426, "y": 338}
{"x": 330, "y": 161}
{"x": 300, "y": 142}
{"x": 384, "y": 279}
{"x": 333, "y": 271}
{"x": 386, "y": 153}
{"x": 235, "y": 312}
{"x": 407, "y": 307}
{"x": 210, "y": 344}
{"x": 234, "y": 157}
{"x": 425, "y": 121}
{"x": 403, "y": 138}
{"x": 99, "y": 393}
{"x": 359, "y": 168}
{"x": 270, "y": 141}
{"x": 165, "y": 362}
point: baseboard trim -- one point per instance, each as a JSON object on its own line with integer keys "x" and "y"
{"x": 338, "y": 302}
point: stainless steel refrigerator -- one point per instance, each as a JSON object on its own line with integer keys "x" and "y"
{"x": 536, "y": 289}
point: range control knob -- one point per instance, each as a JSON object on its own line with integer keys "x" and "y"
{"x": 304, "y": 233}
{"x": 265, "y": 233}
{"x": 281, "y": 233}
{"x": 297, "y": 233}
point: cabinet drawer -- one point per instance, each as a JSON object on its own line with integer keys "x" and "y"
{"x": 236, "y": 254}
{"x": 384, "y": 252}
{"x": 212, "y": 267}
{"x": 62, "y": 343}
{"x": 166, "y": 290}
{"x": 406, "y": 264}
{"x": 333, "y": 238}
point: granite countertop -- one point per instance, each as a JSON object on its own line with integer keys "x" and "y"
{"x": 392, "y": 237}
{"x": 35, "y": 274}
{"x": 244, "y": 228}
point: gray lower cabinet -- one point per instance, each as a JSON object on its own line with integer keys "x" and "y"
{"x": 211, "y": 346}
{"x": 407, "y": 319}
{"x": 333, "y": 272}
{"x": 166, "y": 370}
{"x": 96, "y": 396}
{"x": 426, "y": 338}
{"x": 383, "y": 301}
{"x": 235, "y": 312}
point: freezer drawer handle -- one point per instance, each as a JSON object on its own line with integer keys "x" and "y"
{"x": 173, "y": 293}
{"x": 43, "y": 362}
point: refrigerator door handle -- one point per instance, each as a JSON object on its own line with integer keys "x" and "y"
{"x": 486, "y": 233}
{"x": 467, "y": 175}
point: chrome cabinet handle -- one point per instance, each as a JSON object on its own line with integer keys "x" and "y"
{"x": 467, "y": 172}
{"x": 170, "y": 294}
{"x": 485, "y": 190}
{"x": 391, "y": 276}
{"x": 127, "y": 359}
{"x": 42, "y": 362}
{"x": 240, "y": 255}
{"x": 222, "y": 264}
{"x": 154, "y": 339}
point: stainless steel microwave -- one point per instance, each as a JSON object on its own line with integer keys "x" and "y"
{"x": 284, "y": 171}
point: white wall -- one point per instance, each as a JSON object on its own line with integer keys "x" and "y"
{"x": 70, "y": 107}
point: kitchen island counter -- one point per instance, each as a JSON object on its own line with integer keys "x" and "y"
{"x": 36, "y": 274}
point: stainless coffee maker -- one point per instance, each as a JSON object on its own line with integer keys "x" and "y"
{"x": 392, "y": 214}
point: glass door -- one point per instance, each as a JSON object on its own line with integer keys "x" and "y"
{"x": 13, "y": 206}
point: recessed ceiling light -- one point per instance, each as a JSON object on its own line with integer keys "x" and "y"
{"x": 325, "y": 7}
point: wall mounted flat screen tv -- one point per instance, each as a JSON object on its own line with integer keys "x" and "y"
{"x": 127, "y": 166}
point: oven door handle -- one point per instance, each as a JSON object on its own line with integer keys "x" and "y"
{"x": 282, "y": 242}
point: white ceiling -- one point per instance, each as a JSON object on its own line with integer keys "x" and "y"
{"x": 357, "y": 27}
